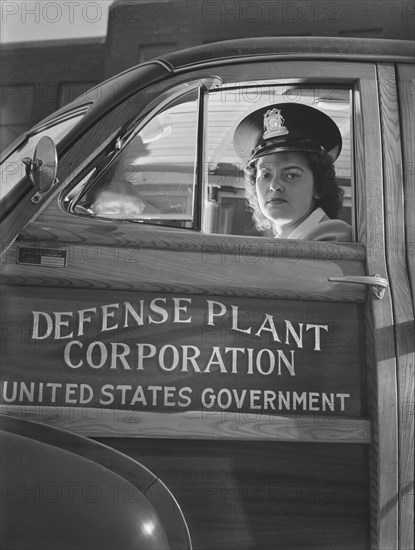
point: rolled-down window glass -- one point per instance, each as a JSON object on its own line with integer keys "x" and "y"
{"x": 153, "y": 178}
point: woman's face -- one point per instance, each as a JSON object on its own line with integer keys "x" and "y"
{"x": 285, "y": 188}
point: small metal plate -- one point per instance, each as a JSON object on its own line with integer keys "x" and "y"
{"x": 47, "y": 257}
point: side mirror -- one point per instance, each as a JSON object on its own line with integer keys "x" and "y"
{"x": 41, "y": 171}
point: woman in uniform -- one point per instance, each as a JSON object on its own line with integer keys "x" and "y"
{"x": 289, "y": 150}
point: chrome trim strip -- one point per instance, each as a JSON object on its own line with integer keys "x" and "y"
{"x": 216, "y": 62}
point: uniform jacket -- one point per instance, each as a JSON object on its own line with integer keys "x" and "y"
{"x": 319, "y": 227}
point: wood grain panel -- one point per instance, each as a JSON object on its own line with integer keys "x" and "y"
{"x": 380, "y": 337}
{"x": 197, "y": 425}
{"x": 406, "y": 85}
{"x": 58, "y": 226}
{"x": 80, "y": 357}
{"x": 400, "y": 287}
{"x": 191, "y": 272}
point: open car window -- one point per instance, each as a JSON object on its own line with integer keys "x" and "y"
{"x": 226, "y": 210}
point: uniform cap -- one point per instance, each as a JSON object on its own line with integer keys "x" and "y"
{"x": 286, "y": 127}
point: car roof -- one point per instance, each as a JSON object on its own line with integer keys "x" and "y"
{"x": 291, "y": 47}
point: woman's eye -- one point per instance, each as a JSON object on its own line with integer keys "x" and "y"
{"x": 292, "y": 175}
{"x": 264, "y": 176}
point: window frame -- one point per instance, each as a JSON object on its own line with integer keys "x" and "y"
{"x": 346, "y": 74}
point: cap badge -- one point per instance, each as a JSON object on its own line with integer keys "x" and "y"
{"x": 274, "y": 124}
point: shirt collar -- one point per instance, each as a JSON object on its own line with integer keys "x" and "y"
{"x": 311, "y": 221}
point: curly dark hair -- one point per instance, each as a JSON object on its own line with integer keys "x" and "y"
{"x": 330, "y": 193}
